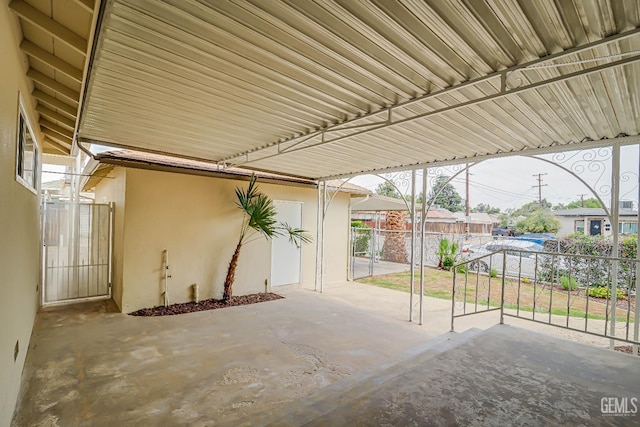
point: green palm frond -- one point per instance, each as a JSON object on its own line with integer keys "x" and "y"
{"x": 245, "y": 197}
{"x": 262, "y": 215}
{"x": 296, "y": 235}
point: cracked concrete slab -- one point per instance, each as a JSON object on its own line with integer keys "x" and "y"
{"x": 90, "y": 366}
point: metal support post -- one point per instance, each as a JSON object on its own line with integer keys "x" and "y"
{"x": 318, "y": 225}
{"x": 412, "y": 255}
{"x": 615, "y": 201}
{"x": 504, "y": 272}
{"x": 423, "y": 222}
{"x": 324, "y": 214}
{"x": 372, "y": 255}
{"x": 636, "y": 318}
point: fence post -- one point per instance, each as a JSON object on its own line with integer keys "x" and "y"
{"x": 504, "y": 270}
{"x": 453, "y": 299}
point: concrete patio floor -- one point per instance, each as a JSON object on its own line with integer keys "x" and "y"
{"x": 502, "y": 376}
{"x": 90, "y": 366}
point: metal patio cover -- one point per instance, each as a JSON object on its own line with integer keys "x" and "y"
{"x": 335, "y": 87}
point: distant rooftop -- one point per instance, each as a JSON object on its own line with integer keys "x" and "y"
{"x": 378, "y": 203}
{"x": 592, "y": 212}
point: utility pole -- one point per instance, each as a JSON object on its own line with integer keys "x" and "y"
{"x": 581, "y": 199}
{"x": 540, "y": 185}
{"x": 467, "y": 204}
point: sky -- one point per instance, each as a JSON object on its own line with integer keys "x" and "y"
{"x": 508, "y": 182}
{"x": 52, "y": 172}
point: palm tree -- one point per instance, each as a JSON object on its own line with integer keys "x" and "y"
{"x": 258, "y": 219}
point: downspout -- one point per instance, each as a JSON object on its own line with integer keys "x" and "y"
{"x": 367, "y": 197}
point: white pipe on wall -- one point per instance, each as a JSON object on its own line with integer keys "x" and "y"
{"x": 196, "y": 293}
{"x": 167, "y": 276}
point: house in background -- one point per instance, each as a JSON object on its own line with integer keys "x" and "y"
{"x": 594, "y": 221}
{"x": 479, "y": 222}
{"x": 188, "y": 208}
{"x": 372, "y": 212}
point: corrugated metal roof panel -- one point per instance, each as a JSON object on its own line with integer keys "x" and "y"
{"x": 242, "y": 81}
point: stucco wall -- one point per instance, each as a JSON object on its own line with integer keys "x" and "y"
{"x": 19, "y": 224}
{"x": 566, "y": 226}
{"x": 196, "y": 220}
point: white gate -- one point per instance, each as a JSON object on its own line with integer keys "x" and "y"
{"x": 77, "y": 251}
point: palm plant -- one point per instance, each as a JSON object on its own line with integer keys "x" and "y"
{"x": 258, "y": 220}
{"x": 446, "y": 253}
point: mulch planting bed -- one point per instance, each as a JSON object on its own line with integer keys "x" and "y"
{"x": 209, "y": 304}
{"x": 625, "y": 349}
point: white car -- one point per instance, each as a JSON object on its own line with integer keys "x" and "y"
{"x": 521, "y": 257}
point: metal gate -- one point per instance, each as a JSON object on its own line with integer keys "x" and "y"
{"x": 77, "y": 251}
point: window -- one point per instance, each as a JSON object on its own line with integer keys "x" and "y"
{"x": 628, "y": 228}
{"x": 579, "y": 227}
{"x": 27, "y": 153}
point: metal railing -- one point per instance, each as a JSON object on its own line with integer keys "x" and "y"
{"x": 589, "y": 294}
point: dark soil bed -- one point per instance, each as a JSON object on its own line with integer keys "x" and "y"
{"x": 625, "y": 349}
{"x": 209, "y": 304}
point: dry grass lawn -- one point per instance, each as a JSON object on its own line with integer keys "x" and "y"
{"x": 482, "y": 289}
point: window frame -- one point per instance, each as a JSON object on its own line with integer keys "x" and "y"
{"x": 628, "y": 224}
{"x": 575, "y": 226}
{"x": 23, "y": 125}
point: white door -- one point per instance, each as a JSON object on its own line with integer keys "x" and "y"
{"x": 286, "y": 256}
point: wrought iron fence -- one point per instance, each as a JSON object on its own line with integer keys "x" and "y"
{"x": 376, "y": 251}
{"x": 590, "y": 294}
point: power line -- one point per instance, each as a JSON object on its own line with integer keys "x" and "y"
{"x": 496, "y": 189}
{"x": 507, "y": 197}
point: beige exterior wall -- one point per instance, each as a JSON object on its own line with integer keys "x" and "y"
{"x": 196, "y": 220}
{"x": 19, "y": 223}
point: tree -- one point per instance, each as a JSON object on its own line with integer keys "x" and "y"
{"x": 540, "y": 221}
{"x": 448, "y": 198}
{"x": 258, "y": 219}
{"x": 395, "y": 241}
{"x": 531, "y": 207}
{"x": 587, "y": 203}
{"x": 481, "y": 207}
{"x": 507, "y": 219}
{"x": 387, "y": 189}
